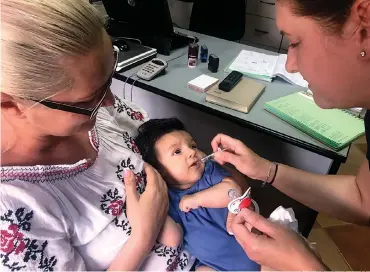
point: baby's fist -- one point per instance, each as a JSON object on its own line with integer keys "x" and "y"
{"x": 188, "y": 202}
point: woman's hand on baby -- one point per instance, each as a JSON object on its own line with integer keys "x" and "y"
{"x": 146, "y": 213}
{"x": 188, "y": 202}
{"x": 278, "y": 247}
{"x": 239, "y": 155}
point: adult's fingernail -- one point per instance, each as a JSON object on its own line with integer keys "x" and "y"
{"x": 126, "y": 173}
{"x": 246, "y": 211}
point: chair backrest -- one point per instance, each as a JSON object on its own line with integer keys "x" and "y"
{"x": 222, "y": 19}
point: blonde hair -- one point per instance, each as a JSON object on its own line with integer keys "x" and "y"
{"x": 36, "y": 35}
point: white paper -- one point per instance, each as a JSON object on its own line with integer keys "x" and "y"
{"x": 249, "y": 62}
{"x": 203, "y": 81}
{"x": 295, "y": 78}
{"x": 254, "y": 63}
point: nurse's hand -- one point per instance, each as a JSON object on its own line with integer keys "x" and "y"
{"x": 278, "y": 247}
{"x": 239, "y": 155}
{"x": 229, "y": 222}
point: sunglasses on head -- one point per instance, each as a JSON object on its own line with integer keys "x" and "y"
{"x": 91, "y": 112}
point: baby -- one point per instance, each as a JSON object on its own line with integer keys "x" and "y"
{"x": 198, "y": 194}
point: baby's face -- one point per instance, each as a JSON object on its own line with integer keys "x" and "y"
{"x": 178, "y": 154}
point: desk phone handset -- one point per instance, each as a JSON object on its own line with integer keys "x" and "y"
{"x": 152, "y": 69}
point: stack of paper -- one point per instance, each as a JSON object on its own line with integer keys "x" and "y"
{"x": 202, "y": 83}
{"x": 333, "y": 127}
{"x": 358, "y": 112}
{"x": 264, "y": 67}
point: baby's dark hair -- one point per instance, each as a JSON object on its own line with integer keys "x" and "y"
{"x": 150, "y": 132}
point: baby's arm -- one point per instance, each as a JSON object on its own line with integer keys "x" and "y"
{"x": 215, "y": 197}
{"x": 171, "y": 233}
{"x": 240, "y": 179}
{"x": 218, "y": 195}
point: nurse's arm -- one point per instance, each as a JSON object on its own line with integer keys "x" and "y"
{"x": 344, "y": 197}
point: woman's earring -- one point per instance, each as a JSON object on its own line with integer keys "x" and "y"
{"x": 363, "y": 53}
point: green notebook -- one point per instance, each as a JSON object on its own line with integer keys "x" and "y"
{"x": 334, "y": 128}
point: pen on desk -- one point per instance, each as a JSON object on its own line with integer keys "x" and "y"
{"x": 210, "y": 156}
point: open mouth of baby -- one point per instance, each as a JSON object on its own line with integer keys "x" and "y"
{"x": 194, "y": 164}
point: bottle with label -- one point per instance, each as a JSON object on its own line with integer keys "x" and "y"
{"x": 193, "y": 52}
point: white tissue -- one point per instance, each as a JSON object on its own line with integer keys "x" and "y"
{"x": 285, "y": 217}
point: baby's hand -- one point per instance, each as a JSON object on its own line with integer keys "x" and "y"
{"x": 188, "y": 202}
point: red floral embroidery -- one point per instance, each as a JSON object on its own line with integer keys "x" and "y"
{"x": 112, "y": 203}
{"x": 122, "y": 107}
{"x": 41, "y": 173}
{"x": 139, "y": 179}
{"x": 12, "y": 239}
{"x": 94, "y": 138}
{"x": 138, "y": 116}
{"x": 134, "y": 147}
{"x": 173, "y": 265}
{"x": 130, "y": 142}
{"x": 116, "y": 207}
{"x": 140, "y": 182}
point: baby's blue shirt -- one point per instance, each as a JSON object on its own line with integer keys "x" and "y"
{"x": 205, "y": 234}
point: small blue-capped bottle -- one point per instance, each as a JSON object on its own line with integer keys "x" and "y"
{"x": 203, "y": 53}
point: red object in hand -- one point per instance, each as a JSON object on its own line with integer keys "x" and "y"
{"x": 246, "y": 202}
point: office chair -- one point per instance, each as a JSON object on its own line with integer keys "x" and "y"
{"x": 223, "y": 19}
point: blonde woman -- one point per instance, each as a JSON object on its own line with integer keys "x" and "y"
{"x": 67, "y": 144}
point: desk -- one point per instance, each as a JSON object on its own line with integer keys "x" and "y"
{"x": 270, "y": 137}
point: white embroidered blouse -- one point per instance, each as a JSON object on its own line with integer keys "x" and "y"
{"x": 73, "y": 217}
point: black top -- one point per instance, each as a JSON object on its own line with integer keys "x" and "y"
{"x": 367, "y": 130}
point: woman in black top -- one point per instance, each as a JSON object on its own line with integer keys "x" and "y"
{"x": 330, "y": 47}
{"x": 367, "y": 128}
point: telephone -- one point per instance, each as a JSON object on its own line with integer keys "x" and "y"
{"x": 152, "y": 69}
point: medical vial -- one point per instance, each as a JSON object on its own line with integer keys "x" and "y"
{"x": 193, "y": 52}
